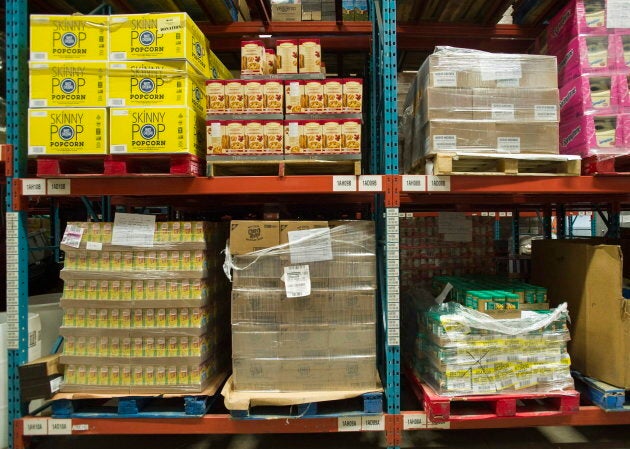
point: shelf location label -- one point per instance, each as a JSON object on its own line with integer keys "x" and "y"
{"x": 58, "y": 186}
{"x": 349, "y": 424}
{"x": 370, "y": 183}
{"x": 60, "y": 427}
{"x": 373, "y": 423}
{"x": 36, "y": 426}
{"x": 346, "y": 183}
{"x": 414, "y": 421}
{"x": 414, "y": 183}
{"x": 438, "y": 183}
{"x": 33, "y": 187}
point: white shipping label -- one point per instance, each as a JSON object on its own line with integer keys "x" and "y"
{"x": 59, "y": 426}
{"x": 414, "y": 421}
{"x": 445, "y": 79}
{"x": 546, "y": 112}
{"x": 445, "y": 142}
{"x": 509, "y": 83}
{"x": 169, "y": 25}
{"x": 72, "y": 236}
{"x": 502, "y": 111}
{"x": 509, "y": 144}
{"x": 94, "y": 246}
{"x": 493, "y": 69}
{"x": 297, "y": 281}
{"x": 414, "y": 183}
{"x": 372, "y": 423}
{"x": 133, "y": 230}
{"x": 310, "y": 245}
{"x": 80, "y": 427}
{"x": 344, "y": 183}
{"x": 33, "y": 187}
{"x": 215, "y": 129}
{"x": 618, "y": 14}
{"x": 35, "y": 426}
{"x": 349, "y": 424}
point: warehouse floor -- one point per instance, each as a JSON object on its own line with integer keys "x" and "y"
{"x": 617, "y": 437}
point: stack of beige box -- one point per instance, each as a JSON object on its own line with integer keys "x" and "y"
{"x": 144, "y": 319}
{"x": 472, "y": 101}
{"x": 303, "y": 306}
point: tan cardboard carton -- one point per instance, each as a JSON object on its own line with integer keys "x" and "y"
{"x": 247, "y": 236}
{"x": 458, "y": 136}
{"x": 527, "y": 137}
{"x": 287, "y": 226}
{"x": 539, "y": 105}
{"x": 446, "y": 103}
{"x": 588, "y": 276}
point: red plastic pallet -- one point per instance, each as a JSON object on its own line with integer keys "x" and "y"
{"x": 121, "y": 165}
{"x": 517, "y": 405}
{"x": 606, "y": 164}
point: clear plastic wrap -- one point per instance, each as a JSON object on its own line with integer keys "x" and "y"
{"x": 461, "y": 351}
{"x": 137, "y": 322}
{"x": 591, "y": 94}
{"x": 303, "y": 313}
{"x": 596, "y": 134}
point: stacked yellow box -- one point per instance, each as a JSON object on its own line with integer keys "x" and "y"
{"x": 144, "y": 319}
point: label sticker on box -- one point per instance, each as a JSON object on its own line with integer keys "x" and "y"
{"x": 297, "y": 281}
{"x": 509, "y": 144}
{"x": 445, "y": 79}
{"x": 169, "y": 25}
{"x": 72, "y": 236}
{"x": 94, "y": 246}
{"x": 502, "y": 111}
{"x": 349, "y": 424}
{"x": 310, "y": 245}
{"x": 506, "y": 83}
{"x": 545, "y": 112}
{"x": 618, "y": 14}
{"x": 445, "y": 142}
{"x": 133, "y": 230}
{"x": 215, "y": 129}
{"x": 493, "y": 70}
{"x": 60, "y": 426}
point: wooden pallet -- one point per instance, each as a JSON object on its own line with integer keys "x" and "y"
{"x": 606, "y": 164}
{"x": 120, "y": 165}
{"x": 604, "y": 395}
{"x": 499, "y": 164}
{"x": 282, "y": 167}
{"x": 482, "y": 407}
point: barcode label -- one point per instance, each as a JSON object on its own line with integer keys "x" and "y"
{"x": 444, "y": 142}
{"x": 502, "y": 111}
{"x": 118, "y": 148}
{"x": 297, "y": 281}
{"x": 39, "y": 56}
{"x": 116, "y": 102}
{"x": 509, "y": 144}
{"x": 118, "y": 55}
{"x": 39, "y": 103}
{"x": 510, "y": 82}
{"x": 37, "y": 150}
{"x": 546, "y": 112}
{"x": 445, "y": 79}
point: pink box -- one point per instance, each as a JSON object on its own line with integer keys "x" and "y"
{"x": 623, "y": 85}
{"x": 593, "y": 134}
{"x": 585, "y": 55}
{"x": 621, "y": 43}
{"x": 578, "y": 17}
{"x": 589, "y": 94}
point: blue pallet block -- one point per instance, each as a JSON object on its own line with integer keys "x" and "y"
{"x": 605, "y": 396}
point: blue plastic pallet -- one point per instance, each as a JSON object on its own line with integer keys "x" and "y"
{"x": 134, "y": 407}
{"x": 366, "y": 404}
{"x": 604, "y": 395}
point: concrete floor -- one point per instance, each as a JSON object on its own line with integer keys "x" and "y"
{"x": 613, "y": 437}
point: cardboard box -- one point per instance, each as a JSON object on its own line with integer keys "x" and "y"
{"x": 274, "y": 136}
{"x": 156, "y": 83}
{"x": 600, "y": 328}
{"x": 235, "y": 95}
{"x": 353, "y": 95}
{"x": 310, "y": 56}
{"x": 287, "y": 55}
{"x": 586, "y": 54}
{"x": 445, "y": 103}
{"x": 574, "y": 19}
{"x": 68, "y": 37}
{"x": 256, "y": 374}
{"x": 291, "y": 226}
{"x": 592, "y": 134}
{"x": 160, "y": 36}
{"x": 526, "y": 137}
{"x": 270, "y": 66}
{"x": 253, "y": 58}
{"x": 253, "y": 92}
{"x": 156, "y": 130}
{"x": 295, "y": 97}
{"x": 248, "y": 236}
{"x": 286, "y": 10}
{"x": 457, "y": 135}
{"x": 215, "y": 97}
{"x": 67, "y": 84}
{"x": 273, "y": 92}
{"x": 351, "y": 136}
{"x": 67, "y": 131}
{"x": 509, "y": 105}
{"x": 314, "y": 93}
{"x": 333, "y": 95}
{"x": 41, "y": 378}
{"x": 591, "y": 93}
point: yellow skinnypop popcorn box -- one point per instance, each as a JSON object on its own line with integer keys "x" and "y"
{"x": 67, "y": 84}
{"x": 159, "y": 36}
{"x": 67, "y": 131}
{"x": 59, "y": 37}
{"x": 148, "y": 130}
{"x": 156, "y": 83}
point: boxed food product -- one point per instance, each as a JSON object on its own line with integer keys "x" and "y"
{"x": 234, "y": 137}
{"x": 156, "y": 130}
{"x": 310, "y": 56}
{"x": 586, "y": 55}
{"x": 292, "y": 136}
{"x": 456, "y": 67}
{"x": 215, "y": 97}
{"x": 214, "y": 136}
{"x": 314, "y": 93}
{"x": 622, "y": 44}
{"x": 255, "y": 136}
{"x": 295, "y": 98}
{"x": 351, "y": 136}
{"x": 249, "y": 236}
{"x": 274, "y": 136}
{"x": 576, "y": 18}
{"x": 253, "y": 58}
{"x": 515, "y": 105}
{"x": 623, "y": 81}
{"x": 67, "y": 84}
{"x": 155, "y": 83}
{"x": 287, "y": 56}
{"x": 270, "y": 62}
{"x": 332, "y": 135}
{"x": 67, "y": 131}
{"x": 159, "y": 36}
{"x": 333, "y": 95}
{"x": 253, "y": 92}
{"x": 286, "y": 10}
{"x": 273, "y": 92}
{"x": 311, "y": 136}
{"x": 287, "y": 226}
{"x": 57, "y": 37}
{"x": 591, "y": 94}
{"x": 592, "y": 134}
{"x": 235, "y": 95}
{"x": 353, "y": 95}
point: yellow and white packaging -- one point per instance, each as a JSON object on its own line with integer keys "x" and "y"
{"x": 155, "y": 83}
{"x": 60, "y": 84}
{"x": 67, "y": 131}
{"x": 153, "y": 130}
{"x": 159, "y": 36}
{"x": 69, "y": 37}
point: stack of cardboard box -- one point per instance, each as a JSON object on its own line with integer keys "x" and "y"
{"x": 303, "y": 306}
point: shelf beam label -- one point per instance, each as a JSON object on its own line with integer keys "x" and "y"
{"x": 373, "y": 423}
{"x": 349, "y": 424}
{"x": 438, "y": 183}
{"x": 346, "y": 183}
{"x": 59, "y": 427}
{"x": 414, "y": 183}
{"x": 58, "y": 187}
{"x": 415, "y": 421}
{"x": 12, "y": 271}
{"x": 370, "y": 183}
{"x": 33, "y": 187}
{"x": 35, "y": 426}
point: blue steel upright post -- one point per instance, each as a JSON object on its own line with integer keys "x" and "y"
{"x": 17, "y": 239}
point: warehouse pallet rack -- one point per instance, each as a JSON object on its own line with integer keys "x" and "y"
{"x": 386, "y": 191}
